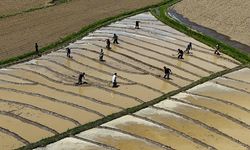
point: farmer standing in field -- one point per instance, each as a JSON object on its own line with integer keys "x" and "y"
{"x": 37, "y": 49}
{"x": 108, "y": 44}
{"x": 114, "y": 82}
{"x": 137, "y": 24}
{"x": 68, "y": 52}
{"x": 101, "y": 55}
{"x": 115, "y": 38}
{"x": 167, "y": 72}
{"x": 189, "y": 47}
{"x": 180, "y": 54}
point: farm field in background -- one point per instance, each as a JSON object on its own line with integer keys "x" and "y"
{"x": 45, "y": 26}
{"x": 231, "y": 19}
{"x": 8, "y": 7}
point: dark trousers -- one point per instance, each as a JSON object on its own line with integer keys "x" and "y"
{"x": 180, "y": 56}
{"x": 166, "y": 75}
{"x": 68, "y": 55}
{"x": 108, "y": 47}
{"x": 114, "y": 84}
{"x": 101, "y": 58}
{"x": 115, "y": 41}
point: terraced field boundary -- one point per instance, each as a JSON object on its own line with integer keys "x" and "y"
{"x": 161, "y": 13}
{"x": 77, "y": 35}
{"x": 127, "y": 111}
{"x": 244, "y": 58}
{"x": 50, "y": 4}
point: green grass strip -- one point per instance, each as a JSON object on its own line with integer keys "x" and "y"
{"x": 161, "y": 14}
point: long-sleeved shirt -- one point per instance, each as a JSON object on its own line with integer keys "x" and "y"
{"x": 114, "y": 78}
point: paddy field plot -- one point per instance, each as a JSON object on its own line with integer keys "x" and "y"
{"x": 212, "y": 115}
{"x": 40, "y": 96}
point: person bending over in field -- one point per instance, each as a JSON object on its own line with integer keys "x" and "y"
{"x": 115, "y": 38}
{"x": 167, "y": 72}
{"x": 101, "y": 55}
{"x": 189, "y": 47}
{"x": 81, "y": 77}
{"x": 108, "y": 44}
{"x": 180, "y": 54}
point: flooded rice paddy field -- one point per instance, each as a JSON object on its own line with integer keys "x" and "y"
{"x": 213, "y": 115}
{"x": 40, "y": 96}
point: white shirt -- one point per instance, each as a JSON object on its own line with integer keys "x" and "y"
{"x": 114, "y": 78}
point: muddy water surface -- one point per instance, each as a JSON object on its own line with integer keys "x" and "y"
{"x": 221, "y": 123}
{"x": 243, "y": 75}
{"x": 50, "y": 105}
{"x": 176, "y": 80}
{"x": 227, "y": 109}
{"x": 45, "y": 119}
{"x": 172, "y": 60}
{"x": 190, "y": 128}
{"x": 94, "y": 92}
{"x": 71, "y": 144}
{"x": 152, "y": 131}
{"x": 9, "y": 142}
{"x": 155, "y": 63}
{"x": 24, "y": 129}
{"x": 12, "y": 79}
{"x": 173, "y": 54}
{"x": 218, "y": 91}
{"x": 140, "y": 92}
{"x": 118, "y": 140}
{"x": 81, "y": 101}
{"x": 151, "y": 81}
{"x": 234, "y": 84}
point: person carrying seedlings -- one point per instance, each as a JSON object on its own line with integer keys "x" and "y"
{"x": 217, "y": 52}
{"x": 114, "y": 78}
{"x": 137, "y": 25}
{"x": 68, "y": 52}
{"x": 80, "y": 79}
{"x": 101, "y": 55}
{"x": 115, "y": 38}
{"x": 167, "y": 72}
{"x": 189, "y": 47}
{"x": 108, "y": 44}
{"x": 180, "y": 54}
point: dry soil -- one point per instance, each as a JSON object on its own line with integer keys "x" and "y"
{"x": 19, "y": 33}
{"x": 227, "y": 17}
